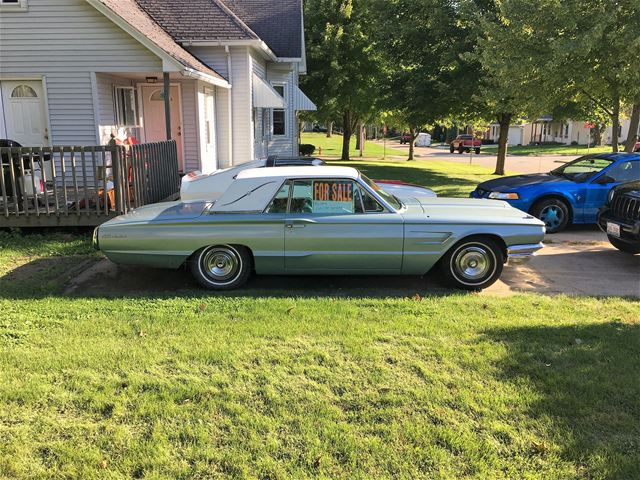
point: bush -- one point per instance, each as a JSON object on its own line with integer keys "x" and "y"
{"x": 574, "y": 143}
{"x": 306, "y": 149}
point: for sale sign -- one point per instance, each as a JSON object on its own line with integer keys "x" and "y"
{"x": 589, "y": 125}
{"x": 332, "y": 196}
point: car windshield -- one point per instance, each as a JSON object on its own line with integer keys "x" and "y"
{"x": 583, "y": 168}
{"x": 387, "y": 197}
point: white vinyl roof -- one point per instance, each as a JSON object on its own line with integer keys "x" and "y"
{"x": 300, "y": 172}
{"x": 264, "y": 95}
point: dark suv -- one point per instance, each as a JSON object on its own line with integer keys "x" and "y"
{"x": 620, "y": 217}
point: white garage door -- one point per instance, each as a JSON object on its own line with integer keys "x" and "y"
{"x": 515, "y": 136}
{"x": 24, "y": 113}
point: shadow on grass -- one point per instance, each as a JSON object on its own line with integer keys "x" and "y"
{"x": 586, "y": 386}
{"x": 80, "y": 276}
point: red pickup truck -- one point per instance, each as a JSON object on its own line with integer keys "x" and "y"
{"x": 464, "y": 143}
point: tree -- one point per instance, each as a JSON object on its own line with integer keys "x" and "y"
{"x": 343, "y": 64}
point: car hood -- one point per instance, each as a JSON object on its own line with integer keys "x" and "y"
{"x": 407, "y": 191}
{"x": 466, "y": 211}
{"x": 518, "y": 181}
{"x": 159, "y": 212}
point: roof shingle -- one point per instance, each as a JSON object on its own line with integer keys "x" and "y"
{"x": 137, "y": 18}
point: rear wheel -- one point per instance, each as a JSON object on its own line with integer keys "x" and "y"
{"x": 553, "y": 212}
{"x": 451, "y": 149}
{"x": 624, "y": 246}
{"x": 474, "y": 263}
{"x": 221, "y": 267}
{"x": 477, "y": 151}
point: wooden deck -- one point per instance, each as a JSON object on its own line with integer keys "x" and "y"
{"x": 83, "y": 186}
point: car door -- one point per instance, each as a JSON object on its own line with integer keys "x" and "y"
{"x": 337, "y": 226}
{"x": 600, "y": 186}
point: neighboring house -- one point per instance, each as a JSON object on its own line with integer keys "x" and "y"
{"x": 546, "y": 130}
{"x": 77, "y": 72}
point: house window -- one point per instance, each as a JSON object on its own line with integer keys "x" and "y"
{"x": 23, "y": 91}
{"x": 279, "y": 127}
{"x": 125, "y": 106}
{"x": 13, "y": 5}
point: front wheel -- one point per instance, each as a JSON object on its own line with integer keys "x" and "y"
{"x": 221, "y": 267}
{"x": 477, "y": 151}
{"x": 451, "y": 149}
{"x": 553, "y": 212}
{"x": 475, "y": 263}
{"x": 624, "y": 246}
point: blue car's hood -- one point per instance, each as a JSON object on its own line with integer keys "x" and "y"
{"x": 516, "y": 181}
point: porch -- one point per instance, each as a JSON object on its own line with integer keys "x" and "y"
{"x": 84, "y": 185}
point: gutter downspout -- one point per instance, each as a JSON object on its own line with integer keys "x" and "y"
{"x": 230, "y": 104}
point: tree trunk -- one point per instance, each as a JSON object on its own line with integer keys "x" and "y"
{"x": 348, "y": 126}
{"x": 358, "y": 136}
{"x": 504, "y": 119}
{"x": 597, "y": 134}
{"x": 412, "y": 134}
{"x": 329, "y": 126}
{"x": 634, "y": 121}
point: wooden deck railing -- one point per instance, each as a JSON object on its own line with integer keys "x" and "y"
{"x": 83, "y": 185}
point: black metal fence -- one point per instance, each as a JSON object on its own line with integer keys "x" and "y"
{"x": 83, "y": 185}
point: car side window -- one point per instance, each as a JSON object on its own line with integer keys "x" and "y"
{"x": 324, "y": 196}
{"x": 281, "y": 200}
{"x": 624, "y": 172}
{"x": 365, "y": 203}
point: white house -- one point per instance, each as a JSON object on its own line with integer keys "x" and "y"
{"x": 76, "y": 72}
{"x": 546, "y": 130}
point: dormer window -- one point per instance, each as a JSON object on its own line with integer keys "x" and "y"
{"x": 13, "y": 5}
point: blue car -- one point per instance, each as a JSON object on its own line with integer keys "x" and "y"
{"x": 572, "y": 193}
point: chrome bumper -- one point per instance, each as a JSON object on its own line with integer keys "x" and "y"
{"x": 522, "y": 253}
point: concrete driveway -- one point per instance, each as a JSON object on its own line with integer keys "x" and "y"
{"x": 578, "y": 262}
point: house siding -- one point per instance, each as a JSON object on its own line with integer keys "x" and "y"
{"x": 260, "y": 143}
{"x": 79, "y": 40}
{"x": 284, "y": 145}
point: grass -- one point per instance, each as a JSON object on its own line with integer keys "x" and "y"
{"x": 547, "y": 149}
{"x": 324, "y": 384}
{"x": 332, "y": 147}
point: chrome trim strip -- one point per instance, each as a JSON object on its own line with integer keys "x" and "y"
{"x": 522, "y": 252}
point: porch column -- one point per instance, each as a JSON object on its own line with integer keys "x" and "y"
{"x": 167, "y": 104}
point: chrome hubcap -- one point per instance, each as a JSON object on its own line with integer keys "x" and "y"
{"x": 472, "y": 262}
{"x": 220, "y": 264}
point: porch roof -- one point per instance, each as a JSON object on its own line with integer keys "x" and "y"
{"x": 133, "y": 19}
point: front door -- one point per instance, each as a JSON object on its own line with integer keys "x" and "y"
{"x": 24, "y": 112}
{"x": 154, "y": 119}
{"x": 328, "y": 230}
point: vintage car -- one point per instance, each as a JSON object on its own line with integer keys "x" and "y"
{"x": 198, "y": 186}
{"x": 321, "y": 220}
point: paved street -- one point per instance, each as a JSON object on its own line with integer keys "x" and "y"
{"x": 514, "y": 163}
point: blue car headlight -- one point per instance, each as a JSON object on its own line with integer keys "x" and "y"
{"x": 504, "y": 196}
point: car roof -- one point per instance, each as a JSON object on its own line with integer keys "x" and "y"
{"x": 321, "y": 171}
{"x": 617, "y": 156}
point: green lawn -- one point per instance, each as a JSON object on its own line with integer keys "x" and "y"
{"x": 548, "y": 149}
{"x": 332, "y": 147}
{"x": 447, "y": 179}
{"x": 267, "y": 383}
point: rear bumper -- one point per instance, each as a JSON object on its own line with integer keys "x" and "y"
{"x": 522, "y": 253}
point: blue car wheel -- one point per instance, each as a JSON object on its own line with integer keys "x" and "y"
{"x": 553, "y": 212}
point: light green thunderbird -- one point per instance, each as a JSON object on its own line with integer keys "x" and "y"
{"x": 322, "y": 220}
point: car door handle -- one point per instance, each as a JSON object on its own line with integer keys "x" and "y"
{"x": 294, "y": 225}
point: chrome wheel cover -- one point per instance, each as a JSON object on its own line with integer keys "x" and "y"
{"x": 220, "y": 265}
{"x": 473, "y": 263}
